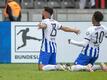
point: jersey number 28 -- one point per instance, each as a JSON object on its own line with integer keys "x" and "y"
{"x": 54, "y": 31}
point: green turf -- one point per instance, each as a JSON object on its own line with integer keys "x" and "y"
{"x": 30, "y": 72}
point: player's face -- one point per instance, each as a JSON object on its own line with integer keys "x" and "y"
{"x": 45, "y": 14}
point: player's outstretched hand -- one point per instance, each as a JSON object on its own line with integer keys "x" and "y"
{"x": 69, "y": 41}
{"x": 77, "y": 31}
{"x": 41, "y": 26}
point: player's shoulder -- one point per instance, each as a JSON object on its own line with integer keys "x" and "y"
{"x": 90, "y": 29}
{"x": 101, "y": 27}
{"x": 53, "y": 20}
{"x": 104, "y": 27}
{"x": 49, "y": 20}
{"x": 45, "y": 20}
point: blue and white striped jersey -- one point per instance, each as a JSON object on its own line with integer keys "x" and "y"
{"x": 49, "y": 35}
{"x": 94, "y": 35}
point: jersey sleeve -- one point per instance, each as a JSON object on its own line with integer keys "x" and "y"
{"x": 44, "y": 22}
{"x": 88, "y": 34}
{"x": 80, "y": 43}
{"x": 58, "y": 26}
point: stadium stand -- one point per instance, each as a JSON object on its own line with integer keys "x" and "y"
{"x": 18, "y": 1}
{"x": 65, "y": 14}
{"x": 25, "y": 15}
{"x": 60, "y": 14}
{"x": 38, "y": 4}
{"x": 2, "y": 3}
{"x": 32, "y": 4}
{"x": 54, "y": 3}
{"x": 27, "y": 4}
{"x": 35, "y": 15}
{"x": 68, "y": 4}
{"x": 88, "y": 4}
{"x": 65, "y": 10}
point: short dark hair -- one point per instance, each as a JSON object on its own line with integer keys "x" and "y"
{"x": 98, "y": 16}
{"x": 49, "y": 10}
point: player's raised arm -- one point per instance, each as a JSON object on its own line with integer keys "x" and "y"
{"x": 85, "y": 40}
{"x": 42, "y": 26}
{"x": 78, "y": 43}
{"x": 69, "y": 29}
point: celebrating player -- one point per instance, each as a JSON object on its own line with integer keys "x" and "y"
{"x": 91, "y": 46}
{"x": 47, "y": 58}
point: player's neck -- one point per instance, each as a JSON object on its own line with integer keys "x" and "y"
{"x": 46, "y": 18}
{"x": 97, "y": 24}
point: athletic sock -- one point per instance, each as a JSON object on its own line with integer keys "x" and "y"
{"x": 96, "y": 67}
{"x": 78, "y": 67}
{"x": 49, "y": 67}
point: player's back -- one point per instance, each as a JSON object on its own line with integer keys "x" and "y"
{"x": 94, "y": 35}
{"x": 97, "y": 35}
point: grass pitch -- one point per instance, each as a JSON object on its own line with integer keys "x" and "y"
{"x": 30, "y": 72}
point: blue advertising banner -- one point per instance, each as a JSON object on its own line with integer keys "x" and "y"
{"x": 5, "y": 42}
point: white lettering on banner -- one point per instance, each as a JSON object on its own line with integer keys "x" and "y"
{"x": 26, "y": 57}
{"x": 28, "y": 52}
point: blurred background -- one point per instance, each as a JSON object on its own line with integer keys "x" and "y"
{"x": 65, "y": 10}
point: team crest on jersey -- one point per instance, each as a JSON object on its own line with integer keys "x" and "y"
{"x": 87, "y": 33}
